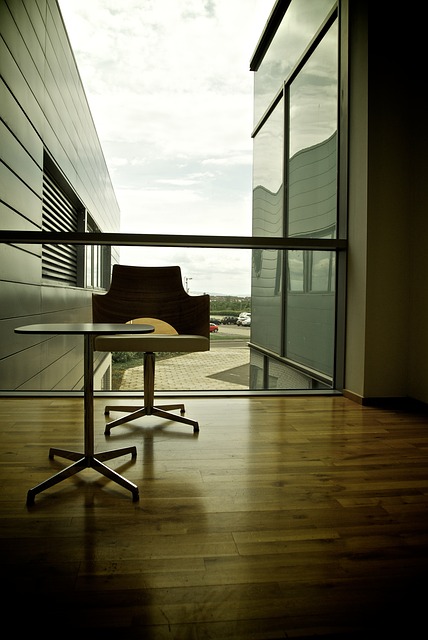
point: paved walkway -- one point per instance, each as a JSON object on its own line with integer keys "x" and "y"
{"x": 217, "y": 370}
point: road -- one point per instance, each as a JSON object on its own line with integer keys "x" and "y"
{"x": 242, "y": 336}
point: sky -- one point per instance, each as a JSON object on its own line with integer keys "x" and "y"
{"x": 171, "y": 94}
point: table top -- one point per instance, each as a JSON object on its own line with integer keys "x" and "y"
{"x": 85, "y": 328}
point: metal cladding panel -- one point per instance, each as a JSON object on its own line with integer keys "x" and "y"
{"x": 44, "y": 114}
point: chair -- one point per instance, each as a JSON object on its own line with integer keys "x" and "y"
{"x": 152, "y": 295}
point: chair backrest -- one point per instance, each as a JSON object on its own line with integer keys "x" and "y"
{"x": 152, "y": 292}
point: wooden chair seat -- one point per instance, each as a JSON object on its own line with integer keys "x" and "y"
{"x": 152, "y": 343}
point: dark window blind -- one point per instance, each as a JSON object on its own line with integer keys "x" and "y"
{"x": 59, "y": 262}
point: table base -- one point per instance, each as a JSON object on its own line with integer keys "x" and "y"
{"x": 83, "y": 461}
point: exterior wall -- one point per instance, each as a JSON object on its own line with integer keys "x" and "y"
{"x": 43, "y": 109}
{"x": 357, "y": 209}
{"x": 418, "y": 260}
{"x": 387, "y": 308}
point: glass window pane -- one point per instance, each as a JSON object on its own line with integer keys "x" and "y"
{"x": 310, "y": 314}
{"x": 268, "y": 215}
{"x": 266, "y": 299}
{"x": 295, "y": 270}
{"x": 268, "y": 165}
{"x": 321, "y": 271}
{"x": 300, "y": 23}
{"x": 312, "y": 168}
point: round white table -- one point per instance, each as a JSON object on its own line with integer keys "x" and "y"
{"x": 88, "y": 458}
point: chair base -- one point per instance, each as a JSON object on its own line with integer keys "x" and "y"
{"x": 133, "y": 413}
{"x": 149, "y": 408}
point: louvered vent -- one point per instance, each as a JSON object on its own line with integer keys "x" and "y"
{"x": 59, "y": 262}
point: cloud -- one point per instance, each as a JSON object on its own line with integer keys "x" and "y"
{"x": 171, "y": 94}
{"x": 169, "y": 210}
{"x": 244, "y": 158}
{"x": 207, "y": 269}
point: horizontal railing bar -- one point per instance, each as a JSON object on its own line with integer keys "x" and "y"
{"x": 165, "y": 240}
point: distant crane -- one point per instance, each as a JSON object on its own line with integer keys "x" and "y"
{"x": 186, "y": 281}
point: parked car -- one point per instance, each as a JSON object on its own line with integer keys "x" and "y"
{"x": 243, "y": 316}
{"x": 246, "y": 322}
{"x": 213, "y": 327}
{"x": 215, "y": 321}
{"x": 229, "y": 320}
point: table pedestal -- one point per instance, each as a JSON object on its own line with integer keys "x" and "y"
{"x": 83, "y": 461}
{"x": 88, "y": 458}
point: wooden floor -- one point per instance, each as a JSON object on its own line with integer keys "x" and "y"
{"x": 283, "y": 518}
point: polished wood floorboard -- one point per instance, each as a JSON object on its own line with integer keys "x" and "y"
{"x": 286, "y": 517}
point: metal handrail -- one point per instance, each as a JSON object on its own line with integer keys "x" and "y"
{"x": 167, "y": 240}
